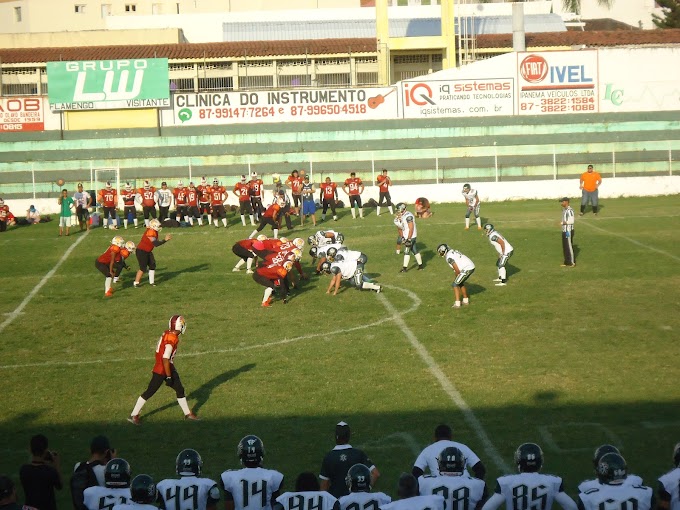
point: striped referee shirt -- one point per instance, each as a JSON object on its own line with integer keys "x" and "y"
{"x": 567, "y": 219}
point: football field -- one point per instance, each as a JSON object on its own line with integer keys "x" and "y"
{"x": 569, "y": 358}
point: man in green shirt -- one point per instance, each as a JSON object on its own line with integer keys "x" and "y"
{"x": 67, "y": 204}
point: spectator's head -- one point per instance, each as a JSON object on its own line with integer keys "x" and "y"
{"x": 39, "y": 445}
{"x": 32, "y": 208}
{"x": 590, "y": 168}
{"x": 328, "y": 180}
{"x": 8, "y": 493}
{"x": 100, "y": 447}
{"x": 294, "y": 173}
{"x": 442, "y": 432}
{"x": 64, "y": 193}
{"x": 353, "y": 174}
{"x": 408, "y": 486}
{"x": 384, "y": 171}
{"x": 80, "y": 186}
{"x": 342, "y": 433}
{"x": 306, "y": 482}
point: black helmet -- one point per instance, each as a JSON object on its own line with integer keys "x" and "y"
{"x": 358, "y": 478}
{"x": 251, "y": 450}
{"x": 601, "y": 451}
{"x": 451, "y": 460}
{"x": 189, "y": 463}
{"x": 612, "y": 469}
{"x": 143, "y": 489}
{"x": 117, "y": 474}
{"x": 529, "y": 458}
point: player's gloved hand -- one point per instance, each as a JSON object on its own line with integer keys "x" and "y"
{"x": 408, "y": 243}
{"x": 168, "y": 381}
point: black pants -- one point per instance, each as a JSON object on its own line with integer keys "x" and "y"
{"x": 282, "y": 288}
{"x": 355, "y": 200}
{"x": 110, "y": 212}
{"x": 3, "y": 226}
{"x": 568, "y": 248}
{"x": 149, "y": 211}
{"x": 157, "y": 381}
{"x": 285, "y": 213}
{"x": 385, "y": 197}
{"x": 146, "y": 260}
{"x": 103, "y": 268}
{"x": 328, "y": 203}
{"x": 264, "y": 221}
{"x": 163, "y": 212}
{"x": 241, "y": 252}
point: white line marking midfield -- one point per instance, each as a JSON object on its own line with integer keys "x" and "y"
{"x": 13, "y": 315}
{"x": 446, "y": 384}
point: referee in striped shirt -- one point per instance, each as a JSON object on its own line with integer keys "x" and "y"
{"x": 567, "y": 233}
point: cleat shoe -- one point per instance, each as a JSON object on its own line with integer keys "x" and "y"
{"x": 267, "y": 303}
{"x": 479, "y": 228}
{"x": 285, "y": 301}
{"x": 403, "y": 270}
{"x": 108, "y": 293}
{"x": 378, "y": 290}
{"x": 580, "y": 214}
{"x": 501, "y": 284}
{"x": 456, "y": 305}
{"x": 191, "y": 417}
{"x": 250, "y": 271}
{"x": 235, "y": 270}
{"x": 467, "y": 228}
{"x": 497, "y": 280}
{"x": 421, "y": 267}
{"x": 115, "y": 280}
{"x": 134, "y": 420}
{"x": 152, "y": 284}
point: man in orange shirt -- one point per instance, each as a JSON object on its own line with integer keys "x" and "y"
{"x": 590, "y": 182}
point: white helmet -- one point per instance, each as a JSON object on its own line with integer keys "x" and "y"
{"x": 118, "y": 241}
{"x": 243, "y": 178}
{"x": 180, "y": 184}
{"x": 2, "y": 202}
{"x": 288, "y": 265}
{"x": 262, "y": 237}
{"x": 108, "y": 184}
{"x": 130, "y": 246}
{"x": 177, "y": 323}
{"x": 128, "y": 186}
{"x": 216, "y": 182}
{"x": 283, "y": 239}
{"x": 297, "y": 252}
{"x": 254, "y": 175}
{"x": 147, "y": 184}
{"x": 299, "y": 242}
{"x": 203, "y": 181}
{"x": 155, "y": 224}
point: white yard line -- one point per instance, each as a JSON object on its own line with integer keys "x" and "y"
{"x": 13, "y": 315}
{"x": 446, "y": 385}
{"x": 630, "y": 240}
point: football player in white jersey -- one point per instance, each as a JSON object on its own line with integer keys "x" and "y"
{"x": 319, "y": 254}
{"x": 529, "y": 489}
{"x": 463, "y": 267}
{"x": 669, "y": 485}
{"x": 406, "y": 225}
{"x": 307, "y": 496}
{"x": 473, "y": 206}
{"x": 253, "y": 487}
{"x": 429, "y": 457}
{"x": 348, "y": 270}
{"x": 600, "y": 452}
{"x": 116, "y": 490}
{"x": 324, "y": 237}
{"x": 143, "y": 495}
{"x": 612, "y": 492}
{"x": 190, "y": 491}
{"x": 407, "y": 490}
{"x": 504, "y": 249}
{"x": 453, "y": 483}
{"x": 360, "y": 497}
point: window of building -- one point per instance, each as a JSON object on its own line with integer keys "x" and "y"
{"x": 17, "y": 14}
{"x": 79, "y": 8}
{"x": 106, "y": 10}
{"x": 130, "y": 7}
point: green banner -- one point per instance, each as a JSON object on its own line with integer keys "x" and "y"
{"x": 108, "y": 84}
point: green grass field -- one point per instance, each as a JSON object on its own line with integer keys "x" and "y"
{"x": 568, "y": 358}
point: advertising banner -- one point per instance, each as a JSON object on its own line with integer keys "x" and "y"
{"x": 21, "y": 114}
{"x": 557, "y": 82}
{"x": 108, "y": 84}
{"x": 458, "y": 98}
{"x": 312, "y": 105}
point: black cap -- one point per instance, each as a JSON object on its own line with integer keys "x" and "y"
{"x": 6, "y": 486}
{"x": 100, "y": 444}
{"x": 164, "y": 183}
{"x": 564, "y": 199}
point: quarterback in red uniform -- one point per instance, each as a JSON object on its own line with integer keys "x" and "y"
{"x": 148, "y": 194}
{"x": 107, "y": 262}
{"x": 218, "y": 195}
{"x": 108, "y": 198}
{"x": 354, "y": 188}
{"x": 144, "y": 251}
{"x": 164, "y": 370}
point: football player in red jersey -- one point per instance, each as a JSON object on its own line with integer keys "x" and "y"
{"x": 129, "y": 196}
{"x": 329, "y": 198}
{"x": 218, "y": 195}
{"x": 354, "y": 188}
{"x": 192, "y": 205}
{"x": 204, "y": 199}
{"x": 164, "y": 370}
{"x": 125, "y": 252}
{"x": 294, "y": 182}
{"x": 272, "y": 277}
{"x": 107, "y": 261}
{"x": 243, "y": 250}
{"x": 256, "y": 193}
{"x": 4, "y": 216}
{"x": 144, "y": 251}
{"x": 148, "y": 194}
{"x": 270, "y": 217}
{"x": 242, "y": 190}
{"x": 180, "y": 193}
{"x": 384, "y": 182}
{"x": 108, "y": 198}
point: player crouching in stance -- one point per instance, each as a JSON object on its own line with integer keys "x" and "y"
{"x": 164, "y": 370}
{"x": 243, "y": 250}
{"x": 108, "y": 260}
{"x": 463, "y": 267}
{"x": 204, "y": 491}
{"x": 273, "y": 276}
{"x": 406, "y": 225}
{"x": 144, "y": 252}
{"x": 124, "y": 254}
{"x": 349, "y": 269}
{"x": 504, "y": 249}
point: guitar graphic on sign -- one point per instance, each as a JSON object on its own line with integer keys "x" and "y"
{"x": 375, "y": 101}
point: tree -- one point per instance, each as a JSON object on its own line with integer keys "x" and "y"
{"x": 671, "y": 14}
{"x": 575, "y": 5}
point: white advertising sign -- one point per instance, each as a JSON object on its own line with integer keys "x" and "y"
{"x": 312, "y": 105}
{"x": 21, "y": 114}
{"x": 458, "y": 98}
{"x": 557, "y": 82}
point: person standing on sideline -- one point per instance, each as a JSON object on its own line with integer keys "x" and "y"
{"x": 42, "y": 476}
{"x": 129, "y": 196}
{"x": 430, "y": 456}
{"x": 473, "y": 206}
{"x": 164, "y": 198}
{"x": 144, "y": 252}
{"x": 669, "y": 484}
{"x": 294, "y": 182}
{"x": 590, "y": 182}
{"x": 337, "y": 462}
{"x": 67, "y": 204}
{"x": 504, "y": 249}
{"x": 567, "y": 224}
{"x": 164, "y": 370}
{"x": 353, "y": 187}
{"x": 329, "y": 198}
{"x": 406, "y": 225}
{"x": 148, "y": 197}
{"x": 463, "y": 267}
{"x": 308, "y": 205}
{"x": 384, "y": 182}
{"x": 83, "y": 202}
{"x": 242, "y": 191}
{"x": 108, "y": 199}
